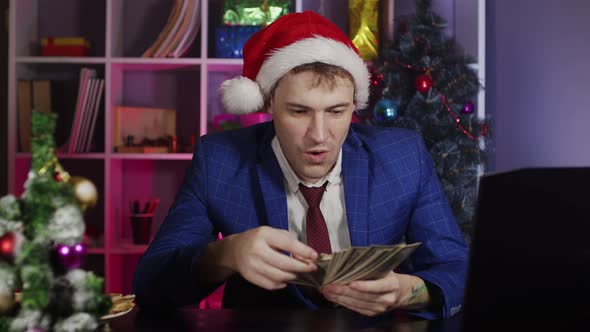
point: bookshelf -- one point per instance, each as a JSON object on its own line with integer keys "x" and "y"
{"x": 119, "y": 31}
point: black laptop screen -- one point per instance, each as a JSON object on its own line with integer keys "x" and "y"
{"x": 530, "y": 250}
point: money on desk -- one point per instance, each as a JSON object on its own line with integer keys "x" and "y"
{"x": 356, "y": 263}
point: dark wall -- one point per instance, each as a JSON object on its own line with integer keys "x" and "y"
{"x": 538, "y": 65}
{"x": 3, "y": 94}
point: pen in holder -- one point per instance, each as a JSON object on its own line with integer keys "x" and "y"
{"x": 141, "y": 220}
{"x": 141, "y": 225}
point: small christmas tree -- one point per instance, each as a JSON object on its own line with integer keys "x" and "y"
{"x": 41, "y": 250}
{"x": 424, "y": 82}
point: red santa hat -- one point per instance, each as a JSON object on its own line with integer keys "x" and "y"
{"x": 290, "y": 41}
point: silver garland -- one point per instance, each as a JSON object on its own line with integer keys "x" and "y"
{"x": 78, "y": 322}
{"x": 66, "y": 226}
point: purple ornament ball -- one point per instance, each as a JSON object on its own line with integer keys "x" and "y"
{"x": 63, "y": 250}
{"x": 70, "y": 257}
{"x": 80, "y": 249}
{"x": 468, "y": 108}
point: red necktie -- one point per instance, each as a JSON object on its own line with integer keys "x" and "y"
{"x": 315, "y": 225}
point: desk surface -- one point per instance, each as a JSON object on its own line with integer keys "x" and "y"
{"x": 325, "y": 320}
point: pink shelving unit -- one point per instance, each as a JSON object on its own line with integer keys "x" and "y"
{"x": 120, "y": 30}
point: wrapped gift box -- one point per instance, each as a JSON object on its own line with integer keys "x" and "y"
{"x": 254, "y": 12}
{"x": 229, "y": 40}
{"x": 64, "y": 46}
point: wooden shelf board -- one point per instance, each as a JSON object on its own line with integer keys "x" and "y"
{"x": 128, "y": 248}
{"x": 96, "y": 250}
{"x": 153, "y": 156}
{"x": 154, "y": 63}
{"x": 224, "y": 65}
{"x": 59, "y": 60}
{"x": 98, "y": 155}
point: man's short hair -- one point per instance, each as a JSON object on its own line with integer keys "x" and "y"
{"x": 325, "y": 74}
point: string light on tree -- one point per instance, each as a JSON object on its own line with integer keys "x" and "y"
{"x": 423, "y": 82}
{"x": 484, "y": 127}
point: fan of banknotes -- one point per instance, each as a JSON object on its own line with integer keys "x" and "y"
{"x": 357, "y": 263}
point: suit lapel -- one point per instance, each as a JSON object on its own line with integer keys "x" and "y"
{"x": 355, "y": 174}
{"x": 271, "y": 183}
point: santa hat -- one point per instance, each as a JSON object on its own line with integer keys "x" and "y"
{"x": 292, "y": 40}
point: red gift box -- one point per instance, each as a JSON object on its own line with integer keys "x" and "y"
{"x": 64, "y": 46}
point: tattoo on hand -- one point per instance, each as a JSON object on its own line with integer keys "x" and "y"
{"x": 417, "y": 294}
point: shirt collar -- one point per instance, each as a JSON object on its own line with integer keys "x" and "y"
{"x": 333, "y": 177}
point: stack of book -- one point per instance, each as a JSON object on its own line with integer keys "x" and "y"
{"x": 77, "y": 109}
{"x": 179, "y": 32}
{"x": 31, "y": 95}
{"x": 90, "y": 91}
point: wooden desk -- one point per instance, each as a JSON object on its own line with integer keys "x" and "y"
{"x": 325, "y": 320}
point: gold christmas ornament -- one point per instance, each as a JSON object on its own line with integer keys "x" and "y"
{"x": 85, "y": 192}
{"x": 53, "y": 164}
{"x": 364, "y": 27}
{"x": 6, "y": 302}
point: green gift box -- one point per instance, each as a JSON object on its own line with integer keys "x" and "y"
{"x": 254, "y": 12}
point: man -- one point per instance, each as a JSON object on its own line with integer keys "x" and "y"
{"x": 255, "y": 186}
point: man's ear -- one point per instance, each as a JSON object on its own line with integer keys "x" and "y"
{"x": 268, "y": 106}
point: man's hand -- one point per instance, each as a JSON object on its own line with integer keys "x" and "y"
{"x": 374, "y": 297}
{"x": 256, "y": 255}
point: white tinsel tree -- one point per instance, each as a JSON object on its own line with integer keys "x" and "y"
{"x": 42, "y": 287}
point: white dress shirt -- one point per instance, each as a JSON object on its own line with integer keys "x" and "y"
{"x": 332, "y": 204}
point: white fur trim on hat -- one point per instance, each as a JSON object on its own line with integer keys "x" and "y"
{"x": 241, "y": 95}
{"x": 316, "y": 49}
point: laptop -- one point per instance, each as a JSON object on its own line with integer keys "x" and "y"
{"x": 529, "y": 265}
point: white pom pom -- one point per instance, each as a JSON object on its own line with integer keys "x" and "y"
{"x": 241, "y": 95}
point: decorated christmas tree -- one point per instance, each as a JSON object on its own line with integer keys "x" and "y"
{"x": 423, "y": 82}
{"x": 42, "y": 287}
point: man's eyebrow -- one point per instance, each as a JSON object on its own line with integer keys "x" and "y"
{"x": 296, "y": 105}
{"x": 339, "y": 105}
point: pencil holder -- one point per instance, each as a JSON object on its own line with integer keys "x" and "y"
{"x": 141, "y": 225}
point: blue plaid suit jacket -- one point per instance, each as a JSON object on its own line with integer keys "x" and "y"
{"x": 235, "y": 183}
